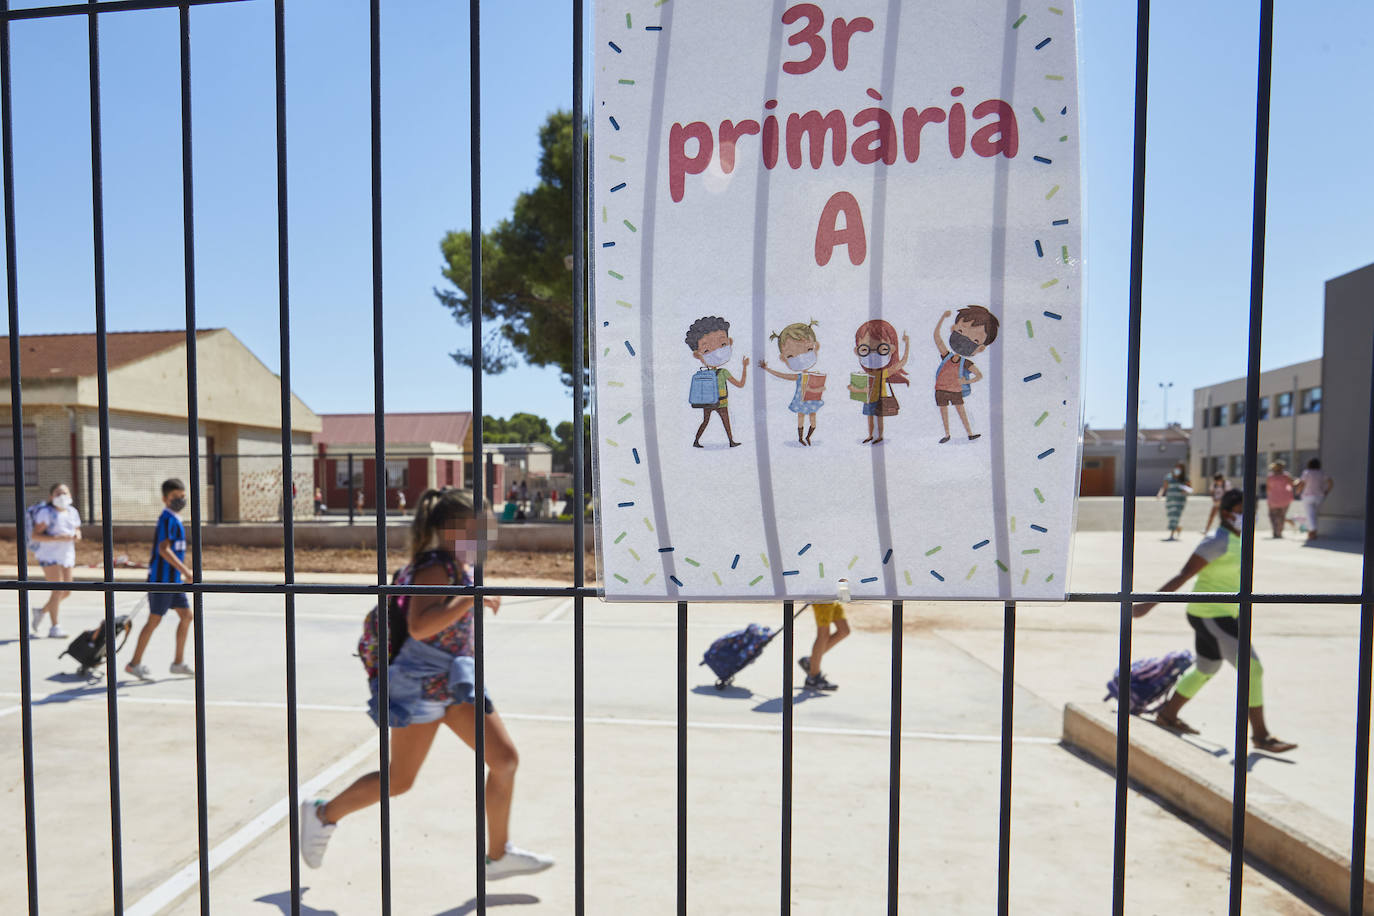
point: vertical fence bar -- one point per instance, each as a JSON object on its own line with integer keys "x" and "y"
{"x": 193, "y": 446}
{"x": 1123, "y": 713}
{"x": 288, "y": 517}
{"x": 107, "y": 515}
{"x": 219, "y": 489}
{"x": 351, "y": 497}
{"x": 90, "y": 473}
{"x": 1362, "y": 712}
{"x": 1004, "y": 805}
{"x": 894, "y": 766}
{"x": 579, "y": 514}
{"x": 1250, "y": 472}
{"x": 788, "y": 635}
{"x": 17, "y": 433}
{"x": 478, "y": 608}
{"x": 379, "y": 444}
{"x": 682, "y": 758}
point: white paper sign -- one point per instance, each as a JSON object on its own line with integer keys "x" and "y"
{"x": 836, "y": 298}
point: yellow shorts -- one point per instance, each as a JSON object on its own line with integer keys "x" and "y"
{"x": 827, "y": 614}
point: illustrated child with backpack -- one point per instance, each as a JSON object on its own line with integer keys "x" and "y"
{"x": 709, "y": 340}
{"x": 1216, "y": 563}
{"x": 431, "y": 681}
{"x": 799, "y": 348}
{"x": 53, "y": 527}
{"x": 973, "y": 330}
{"x": 167, "y": 565}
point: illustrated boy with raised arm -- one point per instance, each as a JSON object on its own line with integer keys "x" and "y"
{"x": 974, "y": 328}
{"x": 709, "y": 340}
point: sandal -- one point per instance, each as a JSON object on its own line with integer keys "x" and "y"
{"x": 1175, "y": 725}
{"x": 1272, "y": 745}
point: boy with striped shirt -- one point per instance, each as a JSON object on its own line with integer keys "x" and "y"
{"x": 167, "y": 565}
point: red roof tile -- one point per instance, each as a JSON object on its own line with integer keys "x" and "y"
{"x": 56, "y": 356}
{"x": 357, "y": 428}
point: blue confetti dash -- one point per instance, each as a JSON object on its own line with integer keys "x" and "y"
{"x": 605, "y": 324}
{"x": 630, "y": 348}
{"x": 626, "y": 505}
{"x": 653, "y": 28}
{"x": 1046, "y": 453}
{"x": 1042, "y": 44}
{"x": 734, "y": 562}
{"x": 635, "y": 452}
{"x": 1055, "y": 316}
{"x": 981, "y": 544}
{"x": 887, "y": 556}
{"x": 675, "y": 580}
{"x": 1064, "y": 110}
{"x": 791, "y": 572}
{"x": 615, "y": 123}
{"x": 618, "y": 187}
{"x": 666, "y": 549}
{"x": 1036, "y": 158}
{"x": 804, "y": 550}
{"x": 1040, "y": 529}
{"x": 1058, "y": 222}
{"x": 1039, "y": 252}
{"x": 937, "y": 575}
{"x": 608, "y": 244}
{"x": 1031, "y": 378}
{"x": 615, "y": 47}
{"x": 868, "y": 580}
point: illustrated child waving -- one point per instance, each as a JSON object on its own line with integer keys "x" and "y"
{"x": 798, "y": 347}
{"x": 974, "y": 328}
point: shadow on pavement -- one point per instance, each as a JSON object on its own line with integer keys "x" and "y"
{"x": 730, "y": 693}
{"x": 492, "y": 900}
{"x": 1340, "y": 546}
{"x": 1255, "y": 757}
{"x": 283, "y": 902}
{"x": 801, "y": 696}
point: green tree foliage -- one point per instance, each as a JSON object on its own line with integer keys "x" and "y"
{"x": 521, "y": 427}
{"x": 527, "y": 286}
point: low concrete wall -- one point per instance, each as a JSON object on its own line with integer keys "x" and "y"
{"x": 1293, "y": 839}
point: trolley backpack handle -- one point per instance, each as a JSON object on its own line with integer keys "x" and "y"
{"x": 774, "y": 635}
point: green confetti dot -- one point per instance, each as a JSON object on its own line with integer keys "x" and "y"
{"x": 1030, "y": 550}
{"x": 627, "y": 21}
{"x": 615, "y": 384}
{"x": 690, "y": 562}
{"x": 624, "y": 418}
{"x": 756, "y": 580}
{"x": 1048, "y": 283}
{"x": 612, "y": 443}
{"x": 1002, "y": 566}
{"x": 1064, "y": 253}
{"x": 853, "y": 561}
{"x": 648, "y": 524}
{"x": 615, "y": 158}
{"x": 626, "y": 82}
{"x": 972, "y": 571}
{"x": 1055, "y": 354}
{"x": 1050, "y": 577}
{"x": 616, "y": 275}
{"x": 1013, "y": 523}
{"x": 650, "y": 578}
{"x": 623, "y": 304}
{"x": 1038, "y": 115}
{"x": 622, "y": 578}
{"x": 764, "y": 558}
{"x": 716, "y": 575}
{"x": 1051, "y": 192}
{"x": 1025, "y": 576}
{"x": 821, "y": 570}
{"x": 1056, "y": 10}
{"x": 906, "y": 573}
{"x": 1055, "y": 77}
{"x": 1038, "y": 495}
{"x": 629, "y": 225}
{"x": 633, "y": 554}
{"x": 622, "y": 536}
{"x": 627, "y": 481}
{"x": 1017, "y": 23}
{"x": 603, "y": 214}
{"x": 1043, "y": 417}
{"x": 932, "y": 551}
{"x": 1030, "y": 329}
{"x": 1064, "y": 138}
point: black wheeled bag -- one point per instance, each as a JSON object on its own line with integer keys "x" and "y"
{"x": 89, "y": 648}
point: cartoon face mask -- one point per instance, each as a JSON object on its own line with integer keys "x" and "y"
{"x": 873, "y": 360}
{"x": 717, "y": 357}
{"x": 802, "y": 361}
{"x": 961, "y": 344}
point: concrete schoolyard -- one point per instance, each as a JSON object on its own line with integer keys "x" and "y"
{"x": 1062, "y": 805}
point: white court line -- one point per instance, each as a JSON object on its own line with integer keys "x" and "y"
{"x": 557, "y": 612}
{"x": 10, "y": 711}
{"x": 188, "y": 877}
{"x": 612, "y": 720}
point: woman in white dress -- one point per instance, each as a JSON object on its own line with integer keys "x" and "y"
{"x": 56, "y": 529}
{"x": 1312, "y": 489}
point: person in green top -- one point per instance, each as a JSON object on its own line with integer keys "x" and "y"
{"x": 1216, "y": 564}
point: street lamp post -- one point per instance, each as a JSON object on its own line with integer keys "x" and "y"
{"x": 1163, "y": 386}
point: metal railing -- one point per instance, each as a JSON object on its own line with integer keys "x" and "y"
{"x": 578, "y": 590}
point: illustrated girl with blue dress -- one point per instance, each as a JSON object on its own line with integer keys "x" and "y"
{"x": 799, "y": 348}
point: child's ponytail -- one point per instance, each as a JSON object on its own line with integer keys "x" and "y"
{"x": 434, "y": 510}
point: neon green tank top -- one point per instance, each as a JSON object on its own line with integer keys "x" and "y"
{"x": 1220, "y": 575}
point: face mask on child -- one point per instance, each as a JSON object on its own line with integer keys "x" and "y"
{"x": 873, "y": 361}
{"x": 717, "y": 357}
{"x": 802, "y": 361}
{"x": 61, "y": 501}
{"x": 962, "y": 344}
{"x": 177, "y": 504}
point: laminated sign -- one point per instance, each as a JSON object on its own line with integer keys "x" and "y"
{"x": 836, "y": 261}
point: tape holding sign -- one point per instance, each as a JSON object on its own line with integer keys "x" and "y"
{"x": 836, "y": 299}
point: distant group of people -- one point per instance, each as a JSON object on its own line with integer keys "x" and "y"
{"x": 1281, "y": 489}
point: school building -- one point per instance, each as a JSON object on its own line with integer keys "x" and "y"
{"x": 1104, "y": 459}
{"x": 422, "y": 450}
{"x": 240, "y": 424}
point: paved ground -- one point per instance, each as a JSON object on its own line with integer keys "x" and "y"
{"x": 1062, "y": 813}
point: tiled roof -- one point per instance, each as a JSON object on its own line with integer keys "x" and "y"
{"x": 62, "y": 356}
{"x": 355, "y": 428}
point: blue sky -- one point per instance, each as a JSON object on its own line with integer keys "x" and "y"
{"x": 1198, "y": 218}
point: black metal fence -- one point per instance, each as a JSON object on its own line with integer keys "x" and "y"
{"x": 577, "y": 589}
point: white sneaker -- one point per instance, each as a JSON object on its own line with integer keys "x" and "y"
{"x": 142, "y": 672}
{"x": 37, "y": 618}
{"x": 182, "y": 668}
{"x": 57, "y": 632}
{"x": 315, "y": 833}
{"x": 516, "y": 861}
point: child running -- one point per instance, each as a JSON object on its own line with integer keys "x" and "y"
{"x": 56, "y": 529}
{"x": 1216, "y": 563}
{"x": 431, "y": 681}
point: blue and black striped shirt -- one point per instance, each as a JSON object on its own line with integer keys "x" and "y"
{"x": 169, "y": 528}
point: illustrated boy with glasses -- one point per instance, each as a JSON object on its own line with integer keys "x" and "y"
{"x": 974, "y": 328}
